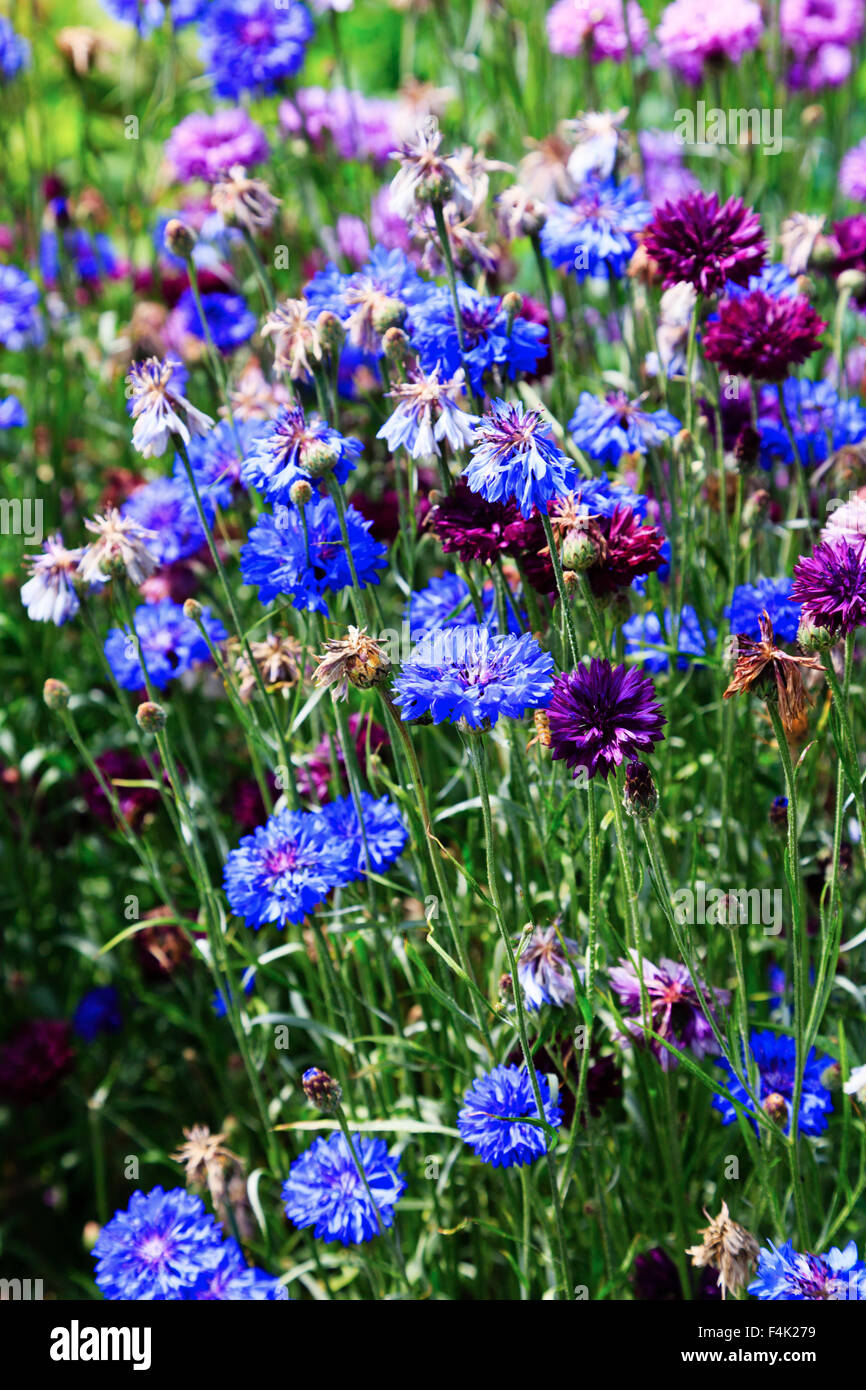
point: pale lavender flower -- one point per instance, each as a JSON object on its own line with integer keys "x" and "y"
{"x": 427, "y": 412}
{"x": 119, "y": 548}
{"x": 595, "y": 26}
{"x": 852, "y": 173}
{"x": 673, "y": 1006}
{"x": 544, "y": 968}
{"x": 49, "y": 594}
{"x": 159, "y": 410}
{"x": 426, "y": 176}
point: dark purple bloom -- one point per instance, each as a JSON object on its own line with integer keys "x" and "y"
{"x": 675, "y": 1013}
{"x": 34, "y": 1061}
{"x": 656, "y": 1279}
{"x": 849, "y": 242}
{"x": 602, "y": 714}
{"x": 761, "y": 336}
{"x": 470, "y": 526}
{"x": 831, "y": 585}
{"x": 696, "y": 240}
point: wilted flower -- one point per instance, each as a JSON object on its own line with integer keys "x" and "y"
{"x": 764, "y": 669}
{"x": 249, "y": 202}
{"x": 355, "y": 659}
{"x": 728, "y": 1248}
{"x": 279, "y": 659}
{"x": 544, "y": 968}
{"x": 296, "y": 338}
{"x": 673, "y": 1006}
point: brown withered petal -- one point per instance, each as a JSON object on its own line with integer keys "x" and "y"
{"x": 355, "y": 659}
{"x": 761, "y": 662}
{"x": 727, "y": 1247}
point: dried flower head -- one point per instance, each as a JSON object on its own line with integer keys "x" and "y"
{"x": 727, "y": 1247}
{"x": 764, "y": 669}
{"x": 355, "y": 659}
{"x": 279, "y": 658}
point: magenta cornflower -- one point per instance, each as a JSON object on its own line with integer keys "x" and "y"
{"x": 597, "y": 27}
{"x": 760, "y": 336}
{"x": 831, "y": 585}
{"x": 694, "y": 36}
{"x": 704, "y": 243}
{"x": 675, "y": 1012}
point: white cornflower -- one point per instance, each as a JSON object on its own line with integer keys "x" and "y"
{"x": 158, "y": 408}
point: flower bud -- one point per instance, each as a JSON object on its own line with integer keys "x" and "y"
{"x": 321, "y": 1089}
{"x": 150, "y": 717}
{"x": 640, "y": 797}
{"x": 320, "y": 458}
{"x": 331, "y": 331}
{"x": 747, "y": 449}
{"x": 389, "y": 313}
{"x": 778, "y": 815}
{"x": 179, "y": 238}
{"x": 512, "y": 303}
{"x": 396, "y": 346}
{"x": 831, "y": 1077}
{"x": 56, "y": 694}
{"x": 300, "y": 492}
{"x": 776, "y": 1108}
{"x": 192, "y": 609}
{"x": 854, "y": 281}
{"x": 814, "y": 638}
{"x": 580, "y": 550}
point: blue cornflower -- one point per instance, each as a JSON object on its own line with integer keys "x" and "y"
{"x": 370, "y": 300}
{"x": 820, "y": 420}
{"x": 14, "y": 51}
{"x": 774, "y": 279}
{"x": 91, "y": 257}
{"x": 749, "y": 601}
{"x": 148, "y": 15}
{"x": 447, "y": 602}
{"x": 216, "y": 462}
{"x": 291, "y": 448}
{"x": 596, "y": 234}
{"x": 606, "y": 429}
{"x": 491, "y": 336}
{"x": 837, "y": 1276}
{"x": 382, "y": 838}
{"x": 166, "y": 507}
{"x": 493, "y": 1108}
{"x": 219, "y": 1002}
{"x": 98, "y": 1011}
{"x": 643, "y": 633}
{"x": 285, "y": 868}
{"x": 514, "y": 458}
{"x": 324, "y": 1189}
{"x": 158, "y": 1248}
{"x": 213, "y": 246}
{"x": 20, "y": 324}
{"x": 230, "y": 320}
{"x": 13, "y": 416}
{"x": 281, "y": 559}
{"x": 427, "y": 412}
{"x": 232, "y": 1280}
{"x": 470, "y": 673}
{"x": 253, "y": 45}
{"x": 171, "y": 644}
{"x": 775, "y": 1059}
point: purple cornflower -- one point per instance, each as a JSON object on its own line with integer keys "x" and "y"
{"x": 470, "y": 673}
{"x": 253, "y": 45}
{"x": 783, "y": 1273}
{"x": 166, "y": 508}
{"x": 286, "y": 867}
{"x": 204, "y": 145}
{"x": 675, "y": 1013}
{"x": 761, "y": 336}
{"x": 596, "y": 234}
{"x": 601, "y": 715}
{"x": 831, "y": 585}
{"x": 427, "y": 412}
{"x": 606, "y": 429}
{"x": 49, "y": 594}
{"x": 291, "y": 448}
{"x": 597, "y": 27}
{"x": 821, "y": 36}
{"x": 694, "y": 36}
{"x": 20, "y": 324}
{"x": 468, "y": 525}
{"x": 514, "y": 458}
{"x": 852, "y": 173}
{"x": 697, "y": 240}
{"x": 361, "y": 127}
{"x": 544, "y": 969}
{"x": 496, "y": 1109}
